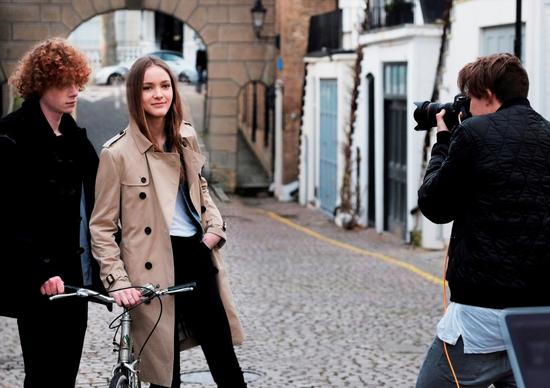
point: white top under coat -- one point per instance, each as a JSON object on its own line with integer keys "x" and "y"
{"x": 182, "y": 223}
{"x": 478, "y": 326}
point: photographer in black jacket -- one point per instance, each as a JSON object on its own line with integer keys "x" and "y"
{"x": 491, "y": 176}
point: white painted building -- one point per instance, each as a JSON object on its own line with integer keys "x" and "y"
{"x": 329, "y": 80}
{"x": 398, "y": 67}
{"x": 537, "y": 53}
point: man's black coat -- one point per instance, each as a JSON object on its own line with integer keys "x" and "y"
{"x": 40, "y": 204}
{"x": 492, "y": 178}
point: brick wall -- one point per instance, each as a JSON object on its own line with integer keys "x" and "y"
{"x": 293, "y": 25}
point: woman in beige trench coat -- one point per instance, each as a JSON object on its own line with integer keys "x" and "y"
{"x": 149, "y": 185}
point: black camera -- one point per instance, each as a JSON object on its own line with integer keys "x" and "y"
{"x": 425, "y": 112}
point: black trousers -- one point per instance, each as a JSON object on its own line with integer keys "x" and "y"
{"x": 52, "y": 337}
{"x": 202, "y": 312}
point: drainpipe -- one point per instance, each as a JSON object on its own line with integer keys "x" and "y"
{"x": 517, "y": 40}
{"x": 278, "y": 171}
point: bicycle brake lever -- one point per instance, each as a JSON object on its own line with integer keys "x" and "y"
{"x": 148, "y": 290}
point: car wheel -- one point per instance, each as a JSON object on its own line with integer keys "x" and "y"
{"x": 184, "y": 78}
{"x": 115, "y": 79}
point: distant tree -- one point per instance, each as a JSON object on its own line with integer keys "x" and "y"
{"x": 439, "y": 69}
{"x": 108, "y": 51}
{"x": 348, "y": 212}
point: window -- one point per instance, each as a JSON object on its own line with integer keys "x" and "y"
{"x": 395, "y": 80}
{"x": 500, "y": 39}
{"x": 395, "y": 148}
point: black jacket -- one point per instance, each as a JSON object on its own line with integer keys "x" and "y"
{"x": 40, "y": 203}
{"x": 492, "y": 178}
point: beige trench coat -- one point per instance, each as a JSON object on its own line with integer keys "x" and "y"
{"x": 136, "y": 188}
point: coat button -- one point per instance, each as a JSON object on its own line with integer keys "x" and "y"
{"x": 46, "y": 260}
{"x": 143, "y": 179}
{"x": 203, "y": 209}
{"x": 148, "y": 265}
{"x": 80, "y": 251}
{"x": 147, "y": 230}
{"x": 142, "y": 195}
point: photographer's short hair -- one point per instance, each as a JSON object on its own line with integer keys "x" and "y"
{"x": 51, "y": 63}
{"x": 503, "y": 74}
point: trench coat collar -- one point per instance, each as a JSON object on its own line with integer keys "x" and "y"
{"x": 192, "y": 159}
{"x": 142, "y": 143}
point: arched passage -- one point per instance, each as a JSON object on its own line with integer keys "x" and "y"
{"x": 235, "y": 56}
{"x": 256, "y": 122}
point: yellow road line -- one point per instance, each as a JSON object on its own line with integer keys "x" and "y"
{"x": 365, "y": 252}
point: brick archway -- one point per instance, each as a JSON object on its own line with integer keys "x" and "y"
{"x": 235, "y": 56}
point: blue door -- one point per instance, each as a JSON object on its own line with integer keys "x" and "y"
{"x": 329, "y": 145}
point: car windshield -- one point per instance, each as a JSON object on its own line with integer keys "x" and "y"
{"x": 171, "y": 57}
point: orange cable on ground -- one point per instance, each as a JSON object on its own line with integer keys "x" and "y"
{"x": 444, "y": 310}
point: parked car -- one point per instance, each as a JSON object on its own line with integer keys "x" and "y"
{"x": 110, "y": 75}
{"x": 184, "y": 70}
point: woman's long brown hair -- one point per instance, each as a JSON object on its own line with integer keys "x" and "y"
{"x": 174, "y": 116}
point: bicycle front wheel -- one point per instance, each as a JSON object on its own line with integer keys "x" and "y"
{"x": 119, "y": 380}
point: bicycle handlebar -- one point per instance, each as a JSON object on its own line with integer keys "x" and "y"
{"x": 148, "y": 291}
{"x": 186, "y": 287}
{"x": 93, "y": 296}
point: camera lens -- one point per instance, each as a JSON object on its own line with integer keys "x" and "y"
{"x": 424, "y": 114}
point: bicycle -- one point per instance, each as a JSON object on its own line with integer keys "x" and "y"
{"x": 125, "y": 374}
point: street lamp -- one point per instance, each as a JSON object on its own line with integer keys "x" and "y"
{"x": 258, "y": 19}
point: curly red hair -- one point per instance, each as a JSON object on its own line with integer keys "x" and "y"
{"x": 52, "y": 63}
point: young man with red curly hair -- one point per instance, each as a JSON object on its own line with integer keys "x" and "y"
{"x": 47, "y": 170}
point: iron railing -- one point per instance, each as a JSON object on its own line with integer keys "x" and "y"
{"x": 325, "y": 32}
{"x": 388, "y": 13}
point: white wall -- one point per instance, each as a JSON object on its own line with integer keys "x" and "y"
{"x": 418, "y": 46}
{"x": 467, "y": 20}
{"x": 353, "y": 14}
{"x": 537, "y": 53}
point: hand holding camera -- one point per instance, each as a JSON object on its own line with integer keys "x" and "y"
{"x": 441, "y": 126}
{"x": 450, "y": 113}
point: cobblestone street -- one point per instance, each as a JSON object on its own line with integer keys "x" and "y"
{"x": 321, "y": 307}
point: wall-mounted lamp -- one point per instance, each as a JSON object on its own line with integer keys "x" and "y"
{"x": 258, "y": 19}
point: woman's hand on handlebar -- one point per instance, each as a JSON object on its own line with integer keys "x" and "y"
{"x": 127, "y": 298}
